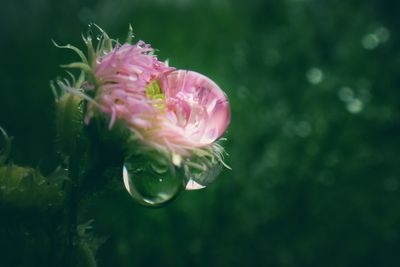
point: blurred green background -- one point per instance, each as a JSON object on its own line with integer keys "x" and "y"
{"x": 314, "y": 139}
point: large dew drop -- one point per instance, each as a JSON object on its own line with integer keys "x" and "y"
{"x": 197, "y": 105}
{"x": 200, "y": 173}
{"x": 152, "y": 181}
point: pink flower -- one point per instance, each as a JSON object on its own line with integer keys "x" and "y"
{"x": 122, "y": 76}
{"x": 171, "y": 111}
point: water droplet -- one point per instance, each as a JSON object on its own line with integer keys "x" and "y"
{"x": 132, "y": 78}
{"x": 193, "y": 185}
{"x": 243, "y": 92}
{"x": 199, "y": 105}
{"x": 346, "y": 94}
{"x": 130, "y": 35}
{"x": 303, "y": 129}
{"x": 151, "y": 180}
{"x": 314, "y": 75}
{"x": 391, "y": 184}
{"x": 383, "y": 34}
{"x": 90, "y": 31}
{"x": 370, "y": 41}
{"x": 326, "y": 178}
{"x": 272, "y": 57}
{"x": 200, "y": 172}
{"x": 355, "y": 106}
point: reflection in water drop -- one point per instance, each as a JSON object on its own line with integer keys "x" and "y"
{"x": 192, "y": 185}
{"x": 152, "y": 181}
{"x": 200, "y": 173}
{"x": 197, "y": 105}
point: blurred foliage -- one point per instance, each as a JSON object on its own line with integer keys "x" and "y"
{"x": 314, "y": 139}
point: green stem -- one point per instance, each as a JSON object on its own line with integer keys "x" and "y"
{"x": 72, "y": 193}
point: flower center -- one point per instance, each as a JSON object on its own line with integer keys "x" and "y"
{"x": 156, "y": 95}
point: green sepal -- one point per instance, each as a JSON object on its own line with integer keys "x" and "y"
{"x": 27, "y": 189}
{"x": 69, "y": 122}
{"x": 78, "y": 65}
{"x": 75, "y": 49}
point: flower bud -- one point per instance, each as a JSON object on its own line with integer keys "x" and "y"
{"x": 136, "y": 106}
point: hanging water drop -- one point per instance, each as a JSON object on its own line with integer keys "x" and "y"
{"x": 193, "y": 185}
{"x": 201, "y": 172}
{"x": 151, "y": 180}
{"x": 90, "y": 31}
